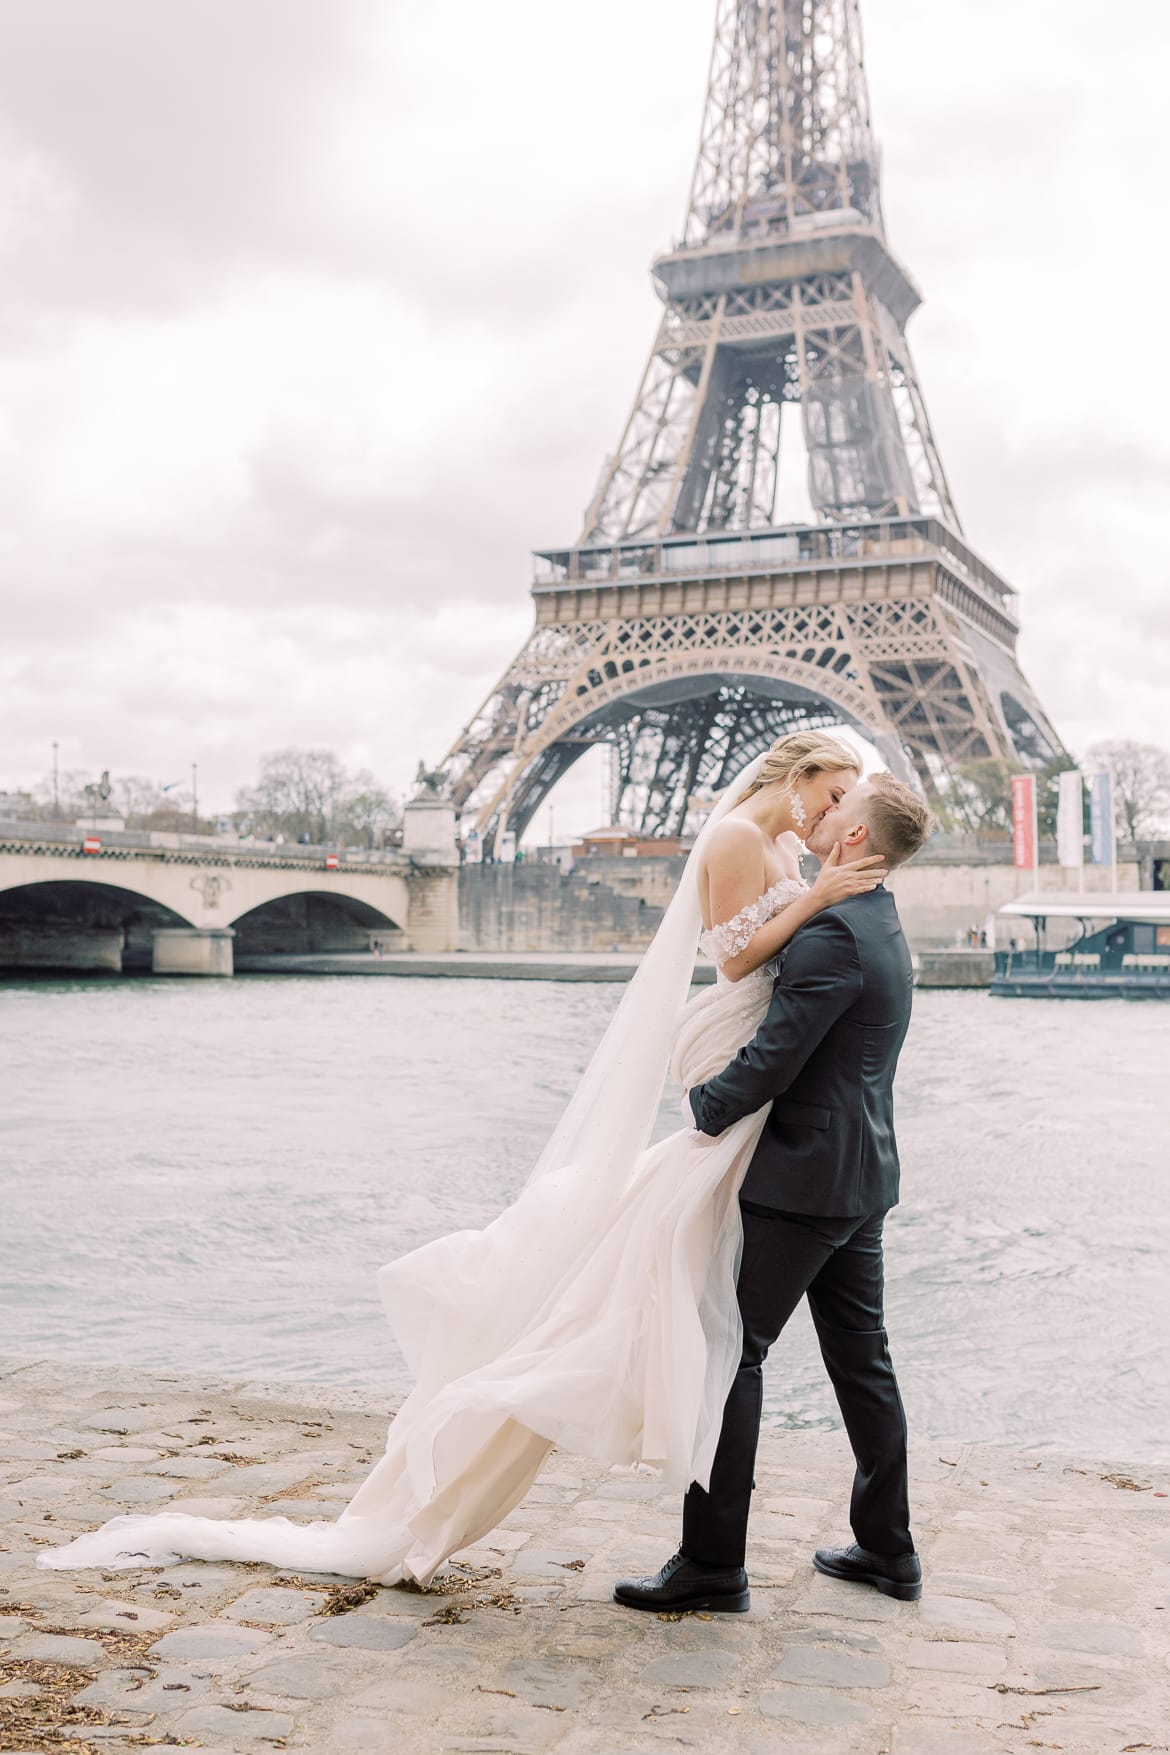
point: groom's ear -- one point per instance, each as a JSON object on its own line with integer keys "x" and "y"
{"x": 856, "y": 836}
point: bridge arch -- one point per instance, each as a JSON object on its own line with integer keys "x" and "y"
{"x": 80, "y": 923}
{"x": 52, "y": 876}
{"x": 305, "y": 919}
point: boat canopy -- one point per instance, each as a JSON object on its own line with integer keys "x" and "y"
{"x": 1150, "y": 907}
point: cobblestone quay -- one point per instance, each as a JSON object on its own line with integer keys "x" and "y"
{"x": 1042, "y": 1625}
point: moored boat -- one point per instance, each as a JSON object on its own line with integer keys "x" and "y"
{"x": 1122, "y": 950}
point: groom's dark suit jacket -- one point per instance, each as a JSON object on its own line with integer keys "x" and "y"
{"x": 825, "y": 1054}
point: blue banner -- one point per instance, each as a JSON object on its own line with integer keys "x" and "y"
{"x": 1101, "y": 818}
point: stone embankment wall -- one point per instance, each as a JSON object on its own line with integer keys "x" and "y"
{"x": 940, "y": 895}
{"x": 608, "y": 904}
{"x": 531, "y": 907}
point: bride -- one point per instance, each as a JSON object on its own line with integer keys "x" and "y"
{"x": 598, "y": 1312}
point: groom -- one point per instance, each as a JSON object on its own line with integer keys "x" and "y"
{"x": 818, "y": 1187}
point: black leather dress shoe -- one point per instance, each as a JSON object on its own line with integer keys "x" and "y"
{"x": 895, "y": 1575}
{"x": 688, "y": 1584}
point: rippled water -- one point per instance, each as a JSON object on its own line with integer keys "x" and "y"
{"x": 204, "y": 1178}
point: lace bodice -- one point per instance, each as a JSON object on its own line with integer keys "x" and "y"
{"x": 726, "y": 940}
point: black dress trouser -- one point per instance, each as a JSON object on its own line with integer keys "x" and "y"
{"x": 838, "y": 1263}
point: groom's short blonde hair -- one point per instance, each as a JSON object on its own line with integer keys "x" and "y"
{"x": 899, "y": 821}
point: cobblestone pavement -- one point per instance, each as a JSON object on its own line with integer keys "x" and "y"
{"x": 1043, "y": 1624}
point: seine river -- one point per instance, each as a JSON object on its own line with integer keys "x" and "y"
{"x": 204, "y": 1177}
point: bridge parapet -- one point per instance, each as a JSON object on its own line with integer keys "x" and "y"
{"x": 64, "y": 839}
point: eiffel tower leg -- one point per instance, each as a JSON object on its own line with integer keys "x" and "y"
{"x": 857, "y": 465}
{"x": 640, "y": 482}
{"x": 933, "y": 490}
{"x": 950, "y": 694}
{"x": 668, "y": 517}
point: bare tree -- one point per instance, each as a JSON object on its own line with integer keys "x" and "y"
{"x": 296, "y": 795}
{"x": 310, "y": 795}
{"x": 368, "y": 812}
{"x": 978, "y": 796}
{"x": 1141, "y": 783}
{"x": 71, "y": 800}
{"x": 139, "y": 798}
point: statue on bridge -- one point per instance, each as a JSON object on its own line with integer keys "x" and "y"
{"x": 99, "y": 791}
{"x": 431, "y": 784}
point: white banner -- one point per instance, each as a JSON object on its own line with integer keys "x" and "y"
{"x": 1070, "y": 819}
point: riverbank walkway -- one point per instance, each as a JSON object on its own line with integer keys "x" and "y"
{"x": 462, "y": 965}
{"x": 950, "y": 968}
{"x": 1043, "y": 1625}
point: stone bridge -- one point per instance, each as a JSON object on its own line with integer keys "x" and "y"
{"x": 188, "y": 904}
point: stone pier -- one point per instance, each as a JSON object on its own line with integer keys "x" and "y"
{"x": 192, "y": 950}
{"x": 61, "y": 947}
{"x": 1042, "y": 1626}
{"x": 956, "y": 967}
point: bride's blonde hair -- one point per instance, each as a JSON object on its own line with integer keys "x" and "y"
{"x": 799, "y": 756}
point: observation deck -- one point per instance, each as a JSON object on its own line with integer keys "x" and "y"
{"x": 824, "y": 244}
{"x": 870, "y": 561}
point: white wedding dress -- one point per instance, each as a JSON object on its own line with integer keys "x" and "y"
{"x": 596, "y": 1313}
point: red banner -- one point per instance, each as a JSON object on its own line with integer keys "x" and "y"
{"x": 92, "y": 844}
{"x": 1024, "y": 819}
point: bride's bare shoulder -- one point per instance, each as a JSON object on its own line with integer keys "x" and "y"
{"x": 736, "y": 831}
{"x": 732, "y": 842}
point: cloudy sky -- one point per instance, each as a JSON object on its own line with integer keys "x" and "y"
{"x": 316, "y": 316}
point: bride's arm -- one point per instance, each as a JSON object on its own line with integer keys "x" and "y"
{"x": 834, "y": 882}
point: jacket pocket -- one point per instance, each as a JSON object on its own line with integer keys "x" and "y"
{"x": 801, "y": 1114}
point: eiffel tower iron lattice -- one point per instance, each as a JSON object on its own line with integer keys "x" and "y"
{"x": 684, "y": 627}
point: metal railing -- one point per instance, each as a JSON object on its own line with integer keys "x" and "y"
{"x": 21, "y": 836}
{"x": 782, "y": 547}
{"x": 1071, "y": 967}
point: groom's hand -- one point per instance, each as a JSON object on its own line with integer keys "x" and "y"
{"x": 690, "y": 1116}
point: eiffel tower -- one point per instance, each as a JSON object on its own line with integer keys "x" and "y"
{"x": 685, "y": 627}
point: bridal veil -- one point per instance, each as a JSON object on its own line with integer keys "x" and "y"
{"x": 597, "y": 1312}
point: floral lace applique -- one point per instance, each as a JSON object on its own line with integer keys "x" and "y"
{"x": 726, "y": 940}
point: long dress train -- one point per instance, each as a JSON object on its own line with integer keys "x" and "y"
{"x": 596, "y": 1313}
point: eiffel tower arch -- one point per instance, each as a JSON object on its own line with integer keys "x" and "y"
{"x": 685, "y": 628}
